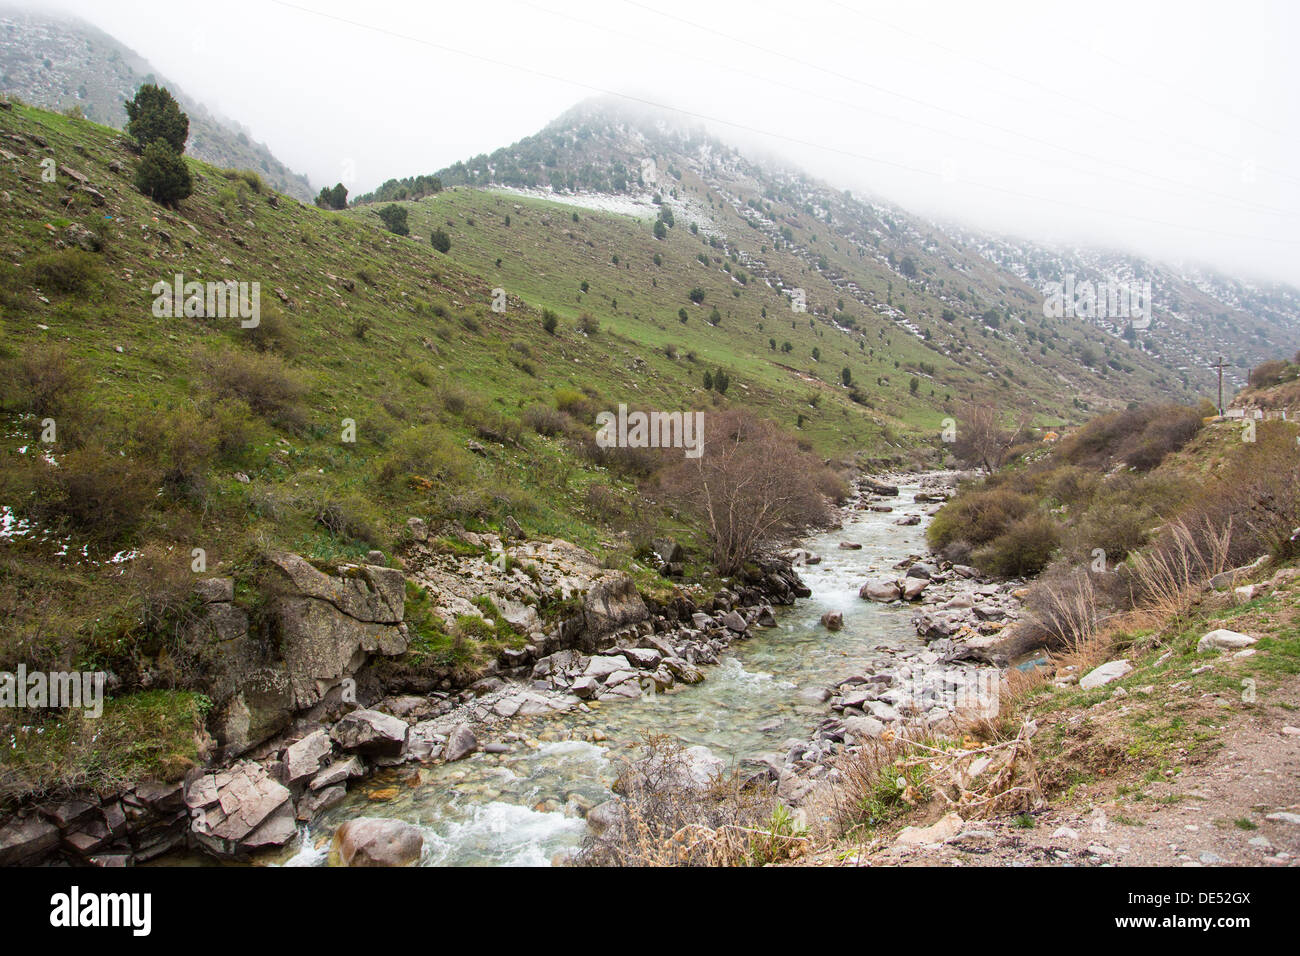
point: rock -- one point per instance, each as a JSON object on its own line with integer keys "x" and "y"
{"x": 832, "y": 620}
{"x": 879, "y": 487}
{"x": 585, "y": 686}
{"x": 1223, "y": 640}
{"x": 948, "y": 826}
{"x": 604, "y": 817}
{"x": 214, "y": 590}
{"x": 908, "y": 521}
{"x": 669, "y": 551}
{"x": 921, "y": 570}
{"x": 1103, "y": 675}
{"x": 766, "y": 616}
{"x": 26, "y": 840}
{"x": 374, "y": 841}
{"x": 318, "y": 801}
{"x": 880, "y": 589}
{"x": 512, "y": 528}
{"x": 303, "y": 759}
{"x": 644, "y": 657}
{"x": 602, "y": 665}
{"x": 338, "y": 772}
{"x": 461, "y": 743}
{"x": 850, "y": 546}
{"x": 239, "y": 809}
{"x": 1283, "y": 817}
{"x": 685, "y": 672}
{"x": 912, "y": 588}
{"x": 863, "y": 728}
{"x": 734, "y": 622}
{"x": 612, "y": 604}
{"x": 371, "y": 733}
{"x": 418, "y": 528}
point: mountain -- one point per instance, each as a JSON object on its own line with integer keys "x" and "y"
{"x": 65, "y": 64}
{"x": 975, "y": 300}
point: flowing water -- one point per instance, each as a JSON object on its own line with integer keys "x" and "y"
{"x": 522, "y": 808}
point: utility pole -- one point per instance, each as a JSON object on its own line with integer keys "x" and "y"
{"x": 1220, "y": 367}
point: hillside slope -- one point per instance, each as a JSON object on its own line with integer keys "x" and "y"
{"x": 975, "y": 302}
{"x": 64, "y": 64}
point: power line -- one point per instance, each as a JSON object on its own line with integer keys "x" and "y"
{"x": 762, "y": 132}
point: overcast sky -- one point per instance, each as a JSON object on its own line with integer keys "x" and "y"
{"x": 1167, "y": 128}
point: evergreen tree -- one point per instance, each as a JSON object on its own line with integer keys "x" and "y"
{"x": 162, "y": 174}
{"x": 152, "y": 115}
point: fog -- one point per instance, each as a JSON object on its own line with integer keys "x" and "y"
{"x": 1166, "y": 129}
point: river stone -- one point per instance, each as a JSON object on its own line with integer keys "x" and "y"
{"x": 879, "y": 589}
{"x": 734, "y": 622}
{"x": 26, "y": 840}
{"x": 1103, "y": 675}
{"x": 1223, "y": 640}
{"x": 683, "y": 671}
{"x": 461, "y": 743}
{"x": 585, "y": 686}
{"x": 604, "y": 816}
{"x": 373, "y": 841}
{"x": 832, "y": 620}
{"x": 371, "y": 733}
{"x": 337, "y": 772}
{"x": 302, "y": 759}
{"x": 603, "y": 665}
{"x": 643, "y": 656}
{"x": 912, "y": 587}
{"x": 317, "y": 801}
{"x": 863, "y": 728}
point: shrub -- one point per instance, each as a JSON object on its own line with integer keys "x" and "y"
{"x": 978, "y": 516}
{"x": 162, "y": 175}
{"x": 65, "y": 271}
{"x": 546, "y": 420}
{"x": 349, "y": 517}
{"x": 98, "y": 491}
{"x": 549, "y": 321}
{"x": 1023, "y": 549}
{"x": 440, "y": 240}
{"x": 269, "y": 387}
{"x": 154, "y": 116}
{"x": 394, "y": 218}
{"x": 588, "y": 324}
{"x": 45, "y": 380}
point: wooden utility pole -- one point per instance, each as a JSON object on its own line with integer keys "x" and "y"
{"x": 1220, "y": 367}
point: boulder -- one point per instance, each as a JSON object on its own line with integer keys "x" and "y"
{"x": 832, "y": 620}
{"x": 879, "y": 487}
{"x": 461, "y": 743}
{"x": 337, "y": 772}
{"x": 912, "y": 587}
{"x": 947, "y": 827}
{"x": 863, "y": 728}
{"x": 26, "y": 840}
{"x": 373, "y": 841}
{"x": 611, "y": 604}
{"x": 683, "y": 671}
{"x": 239, "y": 809}
{"x": 908, "y": 520}
{"x": 1223, "y": 640}
{"x": 303, "y": 759}
{"x": 733, "y": 622}
{"x": 371, "y": 733}
{"x": 1103, "y": 675}
{"x": 880, "y": 589}
{"x": 602, "y": 665}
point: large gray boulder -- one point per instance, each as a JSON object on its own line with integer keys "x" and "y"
{"x": 371, "y": 733}
{"x": 303, "y": 758}
{"x": 239, "y": 810}
{"x": 330, "y": 624}
{"x": 612, "y": 604}
{"x": 1223, "y": 640}
{"x": 461, "y": 743}
{"x": 373, "y": 841}
{"x": 880, "y": 589}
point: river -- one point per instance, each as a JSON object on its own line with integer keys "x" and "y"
{"x": 523, "y": 808}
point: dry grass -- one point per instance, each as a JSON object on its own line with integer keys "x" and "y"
{"x": 669, "y": 817}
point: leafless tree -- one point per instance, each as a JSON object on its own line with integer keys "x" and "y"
{"x": 751, "y": 485}
{"x": 981, "y": 439}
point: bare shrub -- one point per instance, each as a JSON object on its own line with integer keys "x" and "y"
{"x": 981, "y": 439}
{"x": 546, "y": 420}
{"x": 1064, "y": 602}
{"x": 269, "y": 387}
{"x": 752, "y": 485}
{"x": 96, "y": 490}
{"x": 45, "y": 380}
{"x": 668, "y": 816}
